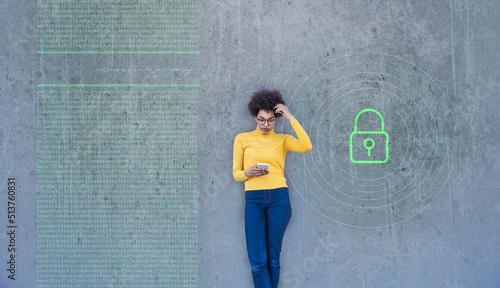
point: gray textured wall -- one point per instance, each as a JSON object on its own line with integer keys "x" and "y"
{"x": 450, "y": 242}
{"x": 430, "y": 67}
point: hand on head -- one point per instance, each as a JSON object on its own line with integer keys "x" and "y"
{"x": 283, "y": 110}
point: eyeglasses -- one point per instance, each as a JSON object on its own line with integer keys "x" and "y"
{"x": 263, "y": 121}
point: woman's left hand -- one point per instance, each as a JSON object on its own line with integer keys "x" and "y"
{"x": 283, "y": 110}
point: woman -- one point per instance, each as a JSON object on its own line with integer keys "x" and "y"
{"x": 267, "y": 207}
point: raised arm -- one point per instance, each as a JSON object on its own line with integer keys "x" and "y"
{"x": 303, "y": 144}
{"x": 291, "y": 144}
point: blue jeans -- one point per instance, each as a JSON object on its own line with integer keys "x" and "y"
{"x": 267, "y": 213}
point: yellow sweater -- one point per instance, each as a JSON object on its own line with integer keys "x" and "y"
{"x": 251, "y": 148}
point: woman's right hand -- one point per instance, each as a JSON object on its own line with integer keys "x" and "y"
{"x": 254, "y": 171}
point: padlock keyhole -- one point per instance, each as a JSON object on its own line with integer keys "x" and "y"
{"x": 371, "y": 146}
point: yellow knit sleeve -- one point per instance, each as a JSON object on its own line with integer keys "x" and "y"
{"x": 303, "y": 144}
{"x": 238, "y": 169}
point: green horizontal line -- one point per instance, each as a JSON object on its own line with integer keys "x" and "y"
{"x": 118, "y": 52}
{"x": 118, "y": 85}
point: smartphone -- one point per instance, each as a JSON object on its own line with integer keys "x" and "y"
{"x": 263, "y": 165}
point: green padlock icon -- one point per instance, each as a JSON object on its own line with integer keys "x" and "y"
{"x": 369, "y": 146}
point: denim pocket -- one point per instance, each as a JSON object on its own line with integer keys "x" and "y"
{"x": 284, "y": 189}
{"x": 247, "y": 192}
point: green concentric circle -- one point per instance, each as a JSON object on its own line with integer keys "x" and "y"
{"x": 409, "y": 190}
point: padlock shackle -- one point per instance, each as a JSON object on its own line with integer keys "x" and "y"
{"x": 366, "y": 110}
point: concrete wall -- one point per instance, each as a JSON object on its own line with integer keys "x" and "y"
{"x": 426, "y": 218}
{"x": 448, "y": 90}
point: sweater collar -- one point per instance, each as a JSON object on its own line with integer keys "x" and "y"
{"x": 257, "y": 130}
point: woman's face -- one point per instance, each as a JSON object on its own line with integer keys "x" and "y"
{"x": 265, "y": 126}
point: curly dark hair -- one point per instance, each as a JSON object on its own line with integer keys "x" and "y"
{"x": 265, "y": 100}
